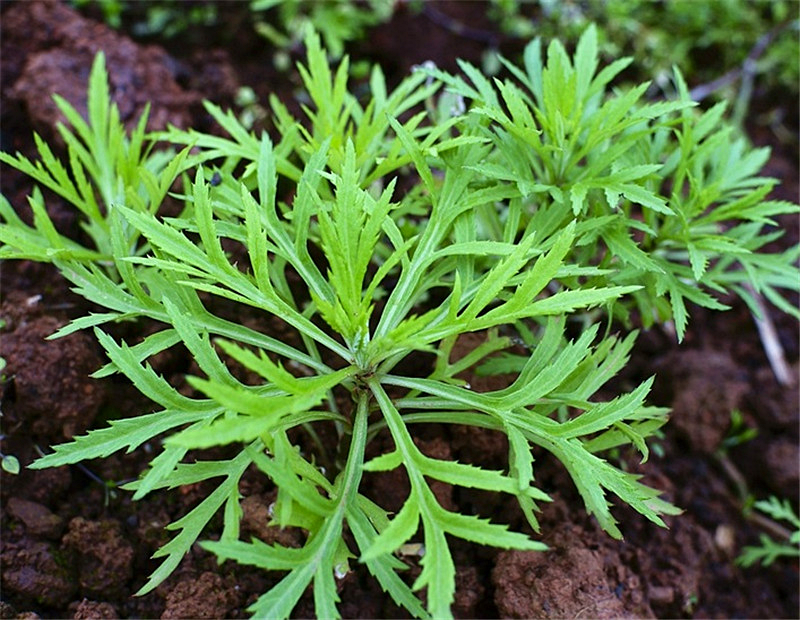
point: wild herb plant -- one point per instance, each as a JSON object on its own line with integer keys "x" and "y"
{"x": 708, "y": 41}
{"x": 768, "y": 550}
{"x": 337, "y": 21}
{"x": 106, "y": 166}
{"x": 311, "y": 229}
{"x": 661, "y": 196}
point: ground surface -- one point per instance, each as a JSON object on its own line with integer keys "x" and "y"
{"x": 74, "y": 547}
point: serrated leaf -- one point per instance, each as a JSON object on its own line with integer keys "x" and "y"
{"x": 470, "y": 476}
{"x": 567, "y": 301}
{"x": 484, "y": 532}
{"x": 121, "y": 434}
{"x": 384, "y": 567}
{"x": 192, "y": 524}
{"x": 400, "y": 530}
{"x": 258, "y": 553}
{"x": 146, "y": 380}
{"x": 606, "y": 414}
{"x": 438, "y": 572}
{"x": 644, "y": 197}
{"x": 384, "y": 462}
{"x": 621, "y": 245}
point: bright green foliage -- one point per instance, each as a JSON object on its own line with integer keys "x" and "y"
{"x": 337, "y": 21}
{"x": 282, "y": 22}
{"x": 706, "y": 39}
{"x": 664, "y": 197}
{"x": 769, "y": 550}
{"x": 520, "y": 215}
{"x": 336, "y": 116}
{"x": 105, "y": 167}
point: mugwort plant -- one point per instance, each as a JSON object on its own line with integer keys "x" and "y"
{"x": 380, "y": 232}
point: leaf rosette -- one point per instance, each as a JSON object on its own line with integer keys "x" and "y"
{"x": 509, "y": 207}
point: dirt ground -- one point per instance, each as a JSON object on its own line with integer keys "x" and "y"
{"x": 74, "y": 546}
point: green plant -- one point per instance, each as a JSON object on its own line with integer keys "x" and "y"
{"x": 155, "y": 18}
{"x": 662, "y": 197}
{"x": 769, "y": 550}
{"x": 706, "y": 40}
{"x": 105, "y": 167}
{"x": 282, "y": 22}
{"x": 337, "y": 21}
{"x": 9, "y": 463}
{"x": 364, "y": 276}
{"x": 738, "y": 433}
{"x": 111, "y": 10}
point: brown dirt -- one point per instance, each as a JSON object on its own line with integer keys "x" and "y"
{"x": 74, "y": 547}
{"x": 206, "y": 596}
{"x": 570, "y": 581}
{"x": 702, "y": 405}
{"x": 51, "y": 395}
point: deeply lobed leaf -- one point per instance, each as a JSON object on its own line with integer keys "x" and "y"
{"x": 549, "y": 198}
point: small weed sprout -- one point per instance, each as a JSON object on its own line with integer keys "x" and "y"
{"x": 770, "y": 550}
{"x": 9, "y": 462}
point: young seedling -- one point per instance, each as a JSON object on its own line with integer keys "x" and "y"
{"x": 364, "y": 276}
{"x": 770, "y": 550}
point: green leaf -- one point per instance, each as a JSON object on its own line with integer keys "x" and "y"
{"x": 384, "y": 462}
{"x": 146, "y": 380}
{"x": 567, "y": 301}
{"x": 385, "y": 567}
{"x": 257, "y": 553}
{"x": 400, "y": 530}
{"x": 120, "y": 434}
{"x": 265, "y": 411}
{"x": 604, "y": 415}
{"x": 469, "y": 476}
{"x": 10, "y": 464}
{"x": 192, "y": 523}
{"x": 484, "y": 532}
{"x": 438, "y": 572}
{"x": 622, "y": 246}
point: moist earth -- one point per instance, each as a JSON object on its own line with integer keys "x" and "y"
{"x": 75, "y": 545}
